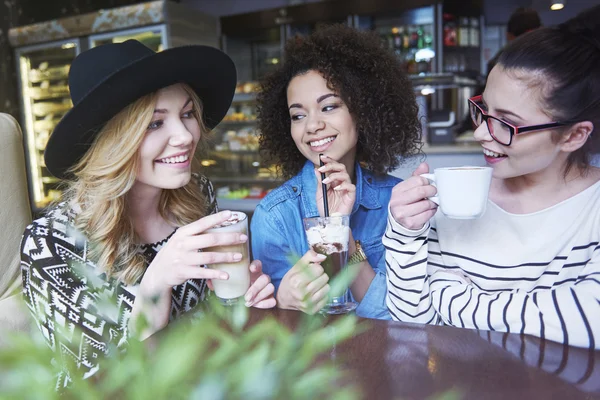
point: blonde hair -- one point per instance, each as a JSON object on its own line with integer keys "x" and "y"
{"x": 104, "y": 176}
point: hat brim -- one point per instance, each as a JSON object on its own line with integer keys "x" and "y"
{"x": 208, "y": 71}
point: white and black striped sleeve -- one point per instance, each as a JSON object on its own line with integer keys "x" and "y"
{"x": 406, "y": 260}
{"x": 567, "y": 313}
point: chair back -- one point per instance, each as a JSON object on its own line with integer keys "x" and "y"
{"x": 15, "y": 215}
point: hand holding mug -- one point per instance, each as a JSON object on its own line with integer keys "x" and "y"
{"x": 462, "y": 191}
{"x": 410, "y": 204}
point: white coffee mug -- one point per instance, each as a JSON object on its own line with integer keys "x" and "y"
{"x": 462, "y": 192}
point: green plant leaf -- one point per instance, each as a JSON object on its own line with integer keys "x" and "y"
{"x": 254, "y": 372}
{"x": 210, "y": 387}
{"x": 239, "y": 316}
{"x": 212, "y": 356}
{"x": 309, "y": 384}
{"x": 452, "y": 394}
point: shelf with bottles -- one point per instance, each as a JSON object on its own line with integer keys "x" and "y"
{"x": 461, "y": 31}
{"x": 461, "y": 40}
{"x": 412, "y": 44}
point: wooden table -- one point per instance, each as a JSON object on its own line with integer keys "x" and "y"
{"x": 393, "y": 360}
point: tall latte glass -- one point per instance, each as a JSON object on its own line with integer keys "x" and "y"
{"x": 329, "y": 236}
{"x": 232, "y": 290}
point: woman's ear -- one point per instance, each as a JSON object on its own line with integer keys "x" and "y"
{"x": 577, "y": 136}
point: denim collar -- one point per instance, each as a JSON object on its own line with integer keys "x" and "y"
{"x": 366, "y": 190}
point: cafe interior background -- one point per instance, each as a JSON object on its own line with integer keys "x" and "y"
{"x": 443, "y": 45}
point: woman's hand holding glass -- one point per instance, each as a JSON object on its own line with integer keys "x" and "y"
{"x": 341, "y": 192}
{"x": 409, "y": 204}
{"x": 180, "y": 260}
{"x": 305, "y": 286}
{"x": 260, "y": 293}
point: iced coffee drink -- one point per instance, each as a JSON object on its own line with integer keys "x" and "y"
{"x": 231, "y": 290}
{"x": 329, "y": 236}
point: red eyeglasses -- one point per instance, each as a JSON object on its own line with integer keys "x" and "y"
{"x": 501, "y": 131}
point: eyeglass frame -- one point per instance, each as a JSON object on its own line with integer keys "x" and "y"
{"x": 513, "y": 129}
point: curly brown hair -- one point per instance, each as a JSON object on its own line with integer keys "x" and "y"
{"x": 370, "y": 81}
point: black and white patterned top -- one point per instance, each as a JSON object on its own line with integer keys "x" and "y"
{"x": 64, "y": 290}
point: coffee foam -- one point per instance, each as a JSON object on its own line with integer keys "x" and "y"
{"x": 329, "y": 234}
{"x": 236, "y": 217}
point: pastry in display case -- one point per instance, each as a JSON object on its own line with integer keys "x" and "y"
{"x": 45, "y": 98}
{"x": 233, "y": 163}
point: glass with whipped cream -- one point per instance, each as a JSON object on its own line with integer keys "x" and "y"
{"x": 232, "y": 290}
{"x": 330, "y": 236}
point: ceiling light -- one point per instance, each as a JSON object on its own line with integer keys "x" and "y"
{"x": 556, "y": 5}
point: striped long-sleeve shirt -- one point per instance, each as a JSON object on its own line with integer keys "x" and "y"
{"x": 535, "y": 273}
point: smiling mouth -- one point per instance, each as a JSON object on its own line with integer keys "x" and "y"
{"x": 174, "y": 160}
{"x": 322, "y": 142}
{"x": 490, "y": 153}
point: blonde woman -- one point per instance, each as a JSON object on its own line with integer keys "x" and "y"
{"x": 130, "y": 229}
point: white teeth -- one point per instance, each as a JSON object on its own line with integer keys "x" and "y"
{"x": 492, "y": 154}
{"x": 174, "y": 160}
{"x": 322, "y": 141}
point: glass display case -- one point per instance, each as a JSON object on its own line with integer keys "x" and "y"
{"x": 43, "y": 73}
{"x": 254, "y": 53}
{"x": 154, "y": 37}
{"x": 239, "y": 174}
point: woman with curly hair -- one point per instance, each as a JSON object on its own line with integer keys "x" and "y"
{"x": 340, "y": 94}
{"x": 134, "y": 218}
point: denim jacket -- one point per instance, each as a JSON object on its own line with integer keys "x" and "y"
{"x": 278, "y": 233}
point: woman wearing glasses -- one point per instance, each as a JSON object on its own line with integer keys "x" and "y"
{"x": 531, "y": 263}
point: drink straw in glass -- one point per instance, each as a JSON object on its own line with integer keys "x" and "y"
{"x": 324, "y": 188}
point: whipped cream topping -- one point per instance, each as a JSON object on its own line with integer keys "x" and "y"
{"x": 235, "y": 218}
{"x": 332, "y": 233}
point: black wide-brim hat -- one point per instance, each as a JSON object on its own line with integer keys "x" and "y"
{"x": 107, "y": 78}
